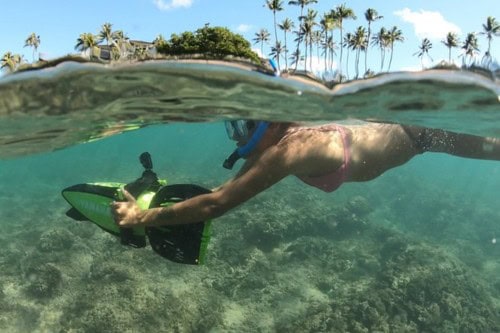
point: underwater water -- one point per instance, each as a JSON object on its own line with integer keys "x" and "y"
{"x": 415, "y": 250}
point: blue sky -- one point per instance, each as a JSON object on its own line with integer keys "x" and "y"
{"x": 59, "y": 23}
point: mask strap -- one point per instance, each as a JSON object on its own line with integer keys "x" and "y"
{"x": 246, "y": 149}
{"x": 254, "y": 140}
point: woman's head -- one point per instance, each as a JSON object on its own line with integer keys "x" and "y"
{"x": 248, "y": 134}
{"x": 240, "y": 130}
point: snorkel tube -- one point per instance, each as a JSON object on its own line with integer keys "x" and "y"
{"x": 275, "y": 67}
{"x": 245, "y": 150}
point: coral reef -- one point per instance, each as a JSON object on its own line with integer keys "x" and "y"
{"x": 299, "y": 262}
{"x": 44, "y": 280}
{"x": 54, "y": 240}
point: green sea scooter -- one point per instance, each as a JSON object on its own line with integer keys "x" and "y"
{"x": 186, "y": 244}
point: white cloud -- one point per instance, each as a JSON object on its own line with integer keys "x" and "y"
{"x": 244, "y": 28}
{"x": 162, "y": 5}
{"x": 427, "y": 24}
{"x": 257, "y": 50}
{"x": 318, "y": 65}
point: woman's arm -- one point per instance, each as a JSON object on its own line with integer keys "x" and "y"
{"x": 264, "y": 172}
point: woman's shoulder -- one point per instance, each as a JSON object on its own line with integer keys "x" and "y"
{"x": 301, "y": 131}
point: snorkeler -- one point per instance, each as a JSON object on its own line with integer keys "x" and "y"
{"x": 323, "y": 156}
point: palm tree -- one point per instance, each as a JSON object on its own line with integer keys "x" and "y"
{"x": 424, "y": 49}
{"x": 106, "y": 34}
{"x": 112, "y": 39}
{"x": 305, "y": 30}
{"x": 276, "y": 51}
{"x": 327, "y": 24}
{"x": 394, "y": 35}
{"x": 121, "y": 45}
{"x": 86, "y": 41}
{"x": 450, "y": 42}
{"x": 287, "y": 26}
{"x": 262, "y": 37}
{"x": 382, "y": 40}
{"x": 348, "y": 43}
{"x": 490, "y": 29}
{"x": 11, "y": 61}
{"x": 359, "y": 44}
{"x": 371, "y": 15}
{"x": 341, "y": 13}
{"x": 8, "y": 61}
{"x": 329, "y": 47}
{"x": 317, "y": 38}
{"x": 33, "y": 41}
{"x": 307, "y": 33}
{"x": 296, "y": 57}
{"x": 275, "y": 6}
{"x": 470, "y": 47}
{"x": 302, "y": 4}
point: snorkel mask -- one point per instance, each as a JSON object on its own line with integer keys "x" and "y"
{"x": 249, "y": 131}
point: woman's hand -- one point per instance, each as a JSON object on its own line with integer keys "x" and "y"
{"x": 127, "y": 213}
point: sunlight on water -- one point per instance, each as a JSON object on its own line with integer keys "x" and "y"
{"x": 414, "y": 250}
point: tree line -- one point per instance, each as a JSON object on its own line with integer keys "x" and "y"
{"x": 469, "y": 46}
{"x": 207, "y": 42}
{"x": 316, "y": 32}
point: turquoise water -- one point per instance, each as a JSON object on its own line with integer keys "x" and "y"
{"x": 411, "y": 251}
